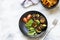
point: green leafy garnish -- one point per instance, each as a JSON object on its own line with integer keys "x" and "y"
{"x": 30, "y": 28}
{"x": 29, "y": 23}
{"x": 38, "y": 22}
{"x": 32, "y": 31}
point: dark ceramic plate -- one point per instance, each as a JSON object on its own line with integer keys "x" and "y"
{"x": 51, "y": 6}
{"x": 22, "y": 24}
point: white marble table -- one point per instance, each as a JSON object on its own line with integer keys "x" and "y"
{"x": 10, "y": 13}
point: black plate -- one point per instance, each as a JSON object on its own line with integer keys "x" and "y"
{"x": 22, "y": 24}
{"x": 51, "y": 6}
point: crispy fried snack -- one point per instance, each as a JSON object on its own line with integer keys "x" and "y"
{"x": 49, "y": 3}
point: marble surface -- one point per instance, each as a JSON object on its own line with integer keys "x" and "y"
{"x": 10, "y": 13}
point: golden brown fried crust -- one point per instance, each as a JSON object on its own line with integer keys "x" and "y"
{"x": 49, "y": 3}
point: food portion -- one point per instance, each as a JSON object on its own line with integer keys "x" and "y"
{"x": 49, "y": 3}
{"x": 35, "y": 23}
{"x": 25, "y": 19}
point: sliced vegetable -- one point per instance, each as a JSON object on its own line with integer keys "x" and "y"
{"x": 44, "y": 25}
{"x": 32, "y": 33}
{"x": 39, "y": 28}
{"x": 42, "y": 20}
{"x": 25, "y": 20}
{"x": 31, "y": 29}
{"x": 34, "y": 24}
{"x": 37, "y": 15}
{"x": 29, "y": 16}
{"x": 29, "y": 23}
{"x": 38, "y": 22}
{"x": 38, "y": 31}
